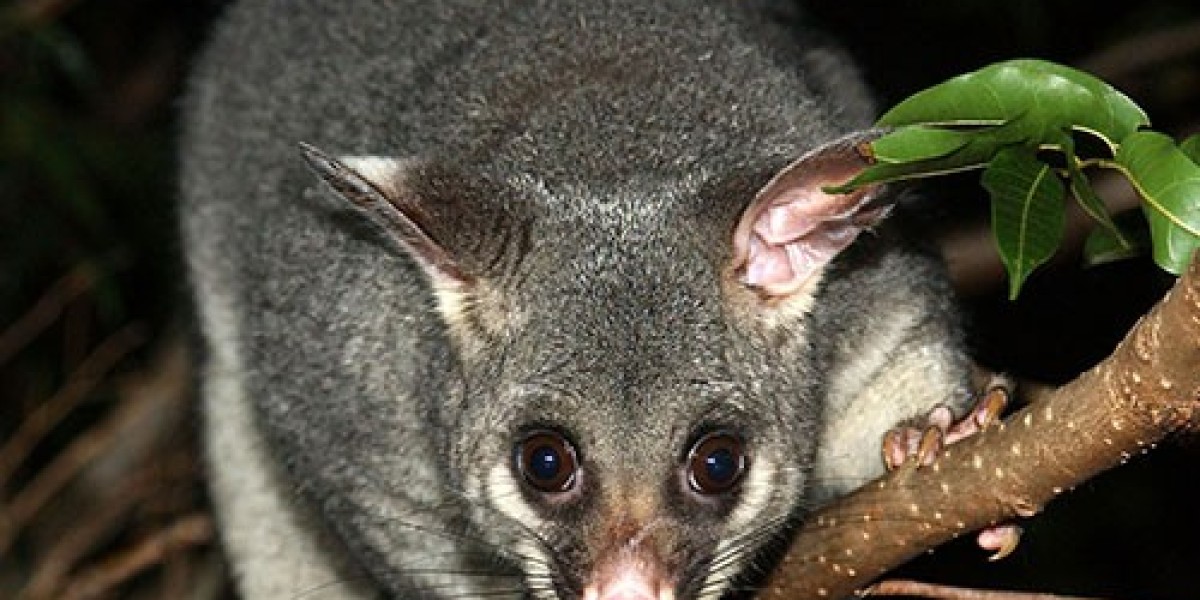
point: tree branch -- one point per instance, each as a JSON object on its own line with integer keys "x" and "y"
{"x": 1146, "y": 390}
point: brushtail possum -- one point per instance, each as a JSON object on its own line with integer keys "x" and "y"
{"x": 540, "y": 299}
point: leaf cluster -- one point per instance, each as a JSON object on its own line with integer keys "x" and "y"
{"x": 1038, "y": 130}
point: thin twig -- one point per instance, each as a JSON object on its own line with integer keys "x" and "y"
{"x": 66, "y": 465}
{"x": 918, "y": 589}
{"x": 143, "y": 467}
{"x": 163, "y": 387}
{"x": 79, "y": 384}
{"x": 47, "y": 310}
{"x": 187, "y": 531}
{"x": 50, "y": 577}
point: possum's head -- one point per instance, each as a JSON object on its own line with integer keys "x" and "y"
{"x": 637, "y": 398}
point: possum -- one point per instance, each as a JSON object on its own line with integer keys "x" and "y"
{"x": 541, "y": 299}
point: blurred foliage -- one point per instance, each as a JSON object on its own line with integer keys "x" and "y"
{"x": 86, "y": 161}
{"x": 89, "y": 275}
{"x": 88, "y": 90}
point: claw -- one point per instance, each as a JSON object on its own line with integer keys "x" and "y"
{"x": 986, "y": 412}
{"x": 903, "y": 443}
{"x": 894, "y": 449}
{"x": 941, "y": 429}
{"x": 992, "y": 405}
{"x": 930, "y": 446}
{"x": 1002, "y": 539}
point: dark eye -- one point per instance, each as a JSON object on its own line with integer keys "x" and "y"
{"x": 547, "y": 462}
{"x": 716, "y": 463}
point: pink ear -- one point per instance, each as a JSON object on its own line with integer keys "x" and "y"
{"x": 793, "y": 228}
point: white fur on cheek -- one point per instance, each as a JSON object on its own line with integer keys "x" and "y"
{"x": 501, "y": 491}
{"x": 756, "y": 496}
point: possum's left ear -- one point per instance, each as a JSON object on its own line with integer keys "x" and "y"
{"x": 793, "y": 228}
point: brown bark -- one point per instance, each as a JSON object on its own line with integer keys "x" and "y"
{"x": 1147, "y": 389}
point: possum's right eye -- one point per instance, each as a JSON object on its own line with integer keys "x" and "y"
{"x": 547, "y": 461}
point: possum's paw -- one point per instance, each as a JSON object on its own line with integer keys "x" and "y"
{"x": 924, "y": 441}
{"x": 924, "y": 444}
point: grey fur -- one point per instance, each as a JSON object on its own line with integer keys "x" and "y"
{"x": 587, "y": 162}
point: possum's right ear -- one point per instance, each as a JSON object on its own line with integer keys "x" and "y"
{"x": 380, "y": 187}
{"x": 793, "y": 228}
{"x": 448, "y": 223}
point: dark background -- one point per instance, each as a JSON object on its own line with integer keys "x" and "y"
{"x": 99, "y": 492}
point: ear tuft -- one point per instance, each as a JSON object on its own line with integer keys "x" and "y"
{"x": 793, "y": 228}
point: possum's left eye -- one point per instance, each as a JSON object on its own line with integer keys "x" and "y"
{"x": 716, "y": 462}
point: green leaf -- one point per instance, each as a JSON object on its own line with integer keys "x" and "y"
{"x": 1027, "y": 211}
{"x": 979, "y": 148}
{"x": 1191, "y": 147}
{"x": 1081, "y": 190}
{"x": 1169, "y": 183}
{"x": 1047, "y": 98}
{"x": 910, "y": 144}
{"x": 1129, "y": 240}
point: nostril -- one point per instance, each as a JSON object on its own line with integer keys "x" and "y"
{"x": 628, "y": 587}
{"x": 628, "y": 594}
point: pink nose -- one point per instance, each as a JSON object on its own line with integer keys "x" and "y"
{"x": 625, "y": 588}
{"x": 627, "y": 594}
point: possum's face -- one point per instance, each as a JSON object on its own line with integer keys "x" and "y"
{"x": 615, "y": 439}
{"x": 667, "y": 494}
{"x": 638, "y": 401}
